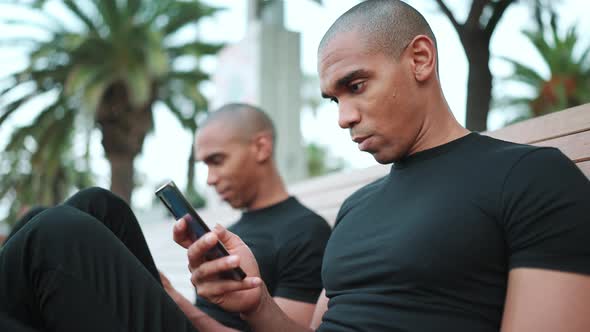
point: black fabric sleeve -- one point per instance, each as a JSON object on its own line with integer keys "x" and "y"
{"x": 300, "y": 257}
{"x": 546, "y": 213}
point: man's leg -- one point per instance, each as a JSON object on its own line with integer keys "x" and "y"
{"x": 116, "y": 214}
{"x": 9, "y": 324}
{"x": 24, "y": 220}
{"x": 66, "y": 271}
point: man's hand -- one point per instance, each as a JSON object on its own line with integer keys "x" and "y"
{"x": 200, "y": 320}
{"x": 237, "y": 296}
{"x": 167, "y": 284}
{"x": 180, "y": 233}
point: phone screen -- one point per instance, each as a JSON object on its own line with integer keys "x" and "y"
{"x": 173, "y": 199}
{"x": 180, "y": 209}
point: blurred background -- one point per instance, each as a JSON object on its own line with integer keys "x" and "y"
{"x": 110, "y": 92}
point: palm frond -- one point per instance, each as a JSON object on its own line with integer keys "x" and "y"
{"x": 42, "y": 26}
{"x": 195, "y": 48}
{"x": 523, "y": 73}
{"x": 185, "y": 121}
{"x": 181, "y": 13}
{"x": 38, "y": 126}
{"x": 79, "y": 13}
{"x": 132, "y": 7}
{"x": 15, "y": 105}
{"x": 109, "y": 12}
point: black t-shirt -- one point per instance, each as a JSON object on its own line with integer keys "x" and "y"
{"x": 429, "y": 247}
{"x": 288, "y": 241}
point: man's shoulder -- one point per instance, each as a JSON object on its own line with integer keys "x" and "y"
{"x": 360, "y": 195}
{"x": 297, "y": 213}
{"x": 503, "y": 155}
{"x": 367, "y": 190}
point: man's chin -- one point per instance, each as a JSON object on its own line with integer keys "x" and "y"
{"x": 382, "y": 158}
{"x": 235, "y": 204}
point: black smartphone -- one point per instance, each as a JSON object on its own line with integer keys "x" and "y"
{"x": 177, "y": 204}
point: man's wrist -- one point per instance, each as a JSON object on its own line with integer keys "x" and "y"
{"x": 259, "y": 310}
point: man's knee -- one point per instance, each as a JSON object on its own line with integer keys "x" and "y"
{"x": 63, "y": 221}
{"x": 56, "y": 235}
{"x": 98, "y": 194}
{"x": 97, "y": 201}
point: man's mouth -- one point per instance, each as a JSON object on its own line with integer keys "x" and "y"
{"x": 359, "y": 139}
{"x": 362, "y": 141}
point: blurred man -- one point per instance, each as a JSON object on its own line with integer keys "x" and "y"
{"x": 466, "y": 233}
{"x": 237, "y": 143}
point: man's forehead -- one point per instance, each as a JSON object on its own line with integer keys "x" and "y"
{"x": 348, "y": 40}
{"x": 340, "y": 65}
{"x": 212, "y": 139}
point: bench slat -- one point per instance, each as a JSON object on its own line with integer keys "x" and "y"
{"x": 585, "y": 167}
{"x": 576, "y": 146}
{"x": 339, "y": 180}
{"x": 563, "y": 123}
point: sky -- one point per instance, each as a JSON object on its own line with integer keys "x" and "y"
{"x": 166, "y": 150}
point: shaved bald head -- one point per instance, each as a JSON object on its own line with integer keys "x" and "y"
{"x": 385, "y": 26}
{"x": 242, "y": 120}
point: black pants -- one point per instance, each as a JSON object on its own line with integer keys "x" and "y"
{"x": 85, "y": 266}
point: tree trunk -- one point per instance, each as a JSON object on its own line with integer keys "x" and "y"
{"x": 475, "y": 36}
{"x": 190, "y": 176}
{"x": 123, "y": 128}
{"x": 479, "y": 82}
{"x": 122, "y": 173}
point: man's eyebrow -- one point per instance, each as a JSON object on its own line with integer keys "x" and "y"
{"x": 208, "y": 158}
{"x": 346, "y": 79}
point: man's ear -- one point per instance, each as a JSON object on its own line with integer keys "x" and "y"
{"x": 423, "y": 56}
{"x": 263, "y": 145}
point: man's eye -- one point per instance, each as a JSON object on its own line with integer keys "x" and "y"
{"x": 356, "y": 87}
{"x": 216, "y": 160}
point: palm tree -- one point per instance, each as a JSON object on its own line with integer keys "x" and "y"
{"x": 122, "y": 58}
{"x": 568, "y": 83}
{"x": 42, "y": 171}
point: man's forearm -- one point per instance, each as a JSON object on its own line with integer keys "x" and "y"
{"x": 200, "y": 320}
{"x": 269, "y": 317}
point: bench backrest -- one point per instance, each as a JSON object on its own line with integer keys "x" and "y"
{"x": 568, "y": 130}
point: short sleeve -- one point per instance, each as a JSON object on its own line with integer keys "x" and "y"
{"x": 546, "y": 213}
{"x": 300, "y": 259}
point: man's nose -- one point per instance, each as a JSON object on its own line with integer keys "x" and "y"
{"x": 212, "y": 178}
{"x": 348, "y": 116}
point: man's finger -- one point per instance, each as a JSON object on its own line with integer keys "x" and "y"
{"x": 220, "y": 287}
{"x": 229, "y": 239}
{"x": 180, "y": 235}
{"x": 196, "y": 252}
{"x": 212, "y": 269}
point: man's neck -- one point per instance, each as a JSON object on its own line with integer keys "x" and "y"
{"x": 440, "y": 128}
{"x": 271, "y": 190}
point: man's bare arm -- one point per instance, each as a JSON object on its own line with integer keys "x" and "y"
{"x": 540, "y": 300}
{"x": 320, "y": 308}
{"x": 300, "y": 312}
{"x": 198, "y": 318}
{"x": 268, "y": 317}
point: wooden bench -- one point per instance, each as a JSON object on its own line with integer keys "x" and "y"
{"x": 568, "y": 130}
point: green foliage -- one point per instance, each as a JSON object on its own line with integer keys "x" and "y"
{"x": 319, "y": 161}
{"x": 568, "y": 83}
{"x": 196, "y": 199}
{"x": 37, "y": 168}
{"x": 132, "y": 45}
